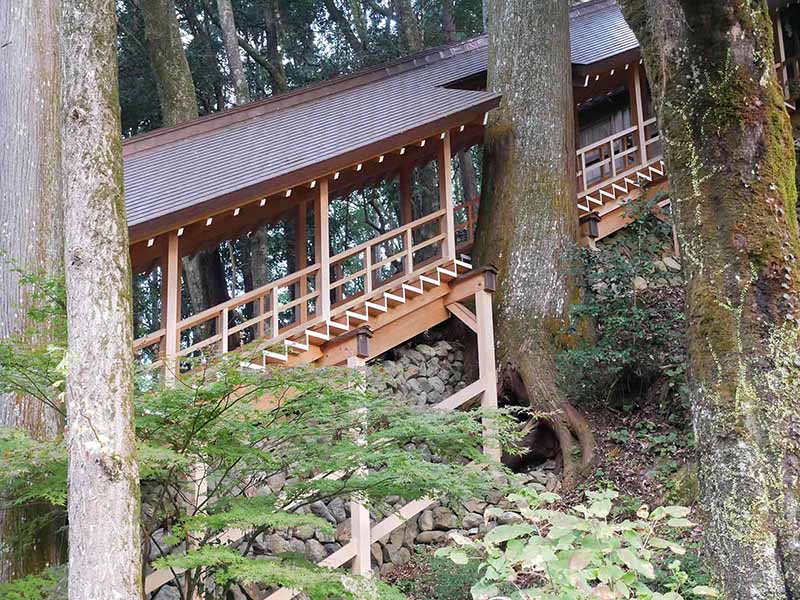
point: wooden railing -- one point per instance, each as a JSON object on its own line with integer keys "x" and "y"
{"x": 360, "y": 271}
{"x": 788, "y": 71}
{"x": 617, "y": 156}
{"x": 466, "y": 219}
{"x": 270, "y": 312}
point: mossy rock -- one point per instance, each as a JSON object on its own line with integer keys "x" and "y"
{"x": 685, "y": 487}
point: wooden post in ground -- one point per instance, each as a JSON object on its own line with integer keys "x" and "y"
{"x": 446, "y": 198}
{"x": 170, "y": 304}
{"x": 359, "y": 515}
{"x": 322, "y": 249}
{"x": 486, "y": 362}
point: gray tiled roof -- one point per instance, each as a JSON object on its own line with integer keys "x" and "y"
{"x": 178, "y": 170}
{"x": 598, "y": 31}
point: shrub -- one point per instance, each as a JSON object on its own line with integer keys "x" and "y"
{"x": 635, "y": 312}
{"x": 580, "y": 553}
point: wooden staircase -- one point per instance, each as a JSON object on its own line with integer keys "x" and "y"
{"x": 299, "y": 348}
{"x": 622, "y": 186}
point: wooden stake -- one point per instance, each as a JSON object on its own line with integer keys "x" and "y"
{"x": 359, "y": 515}
{"x": 637, "y": 106}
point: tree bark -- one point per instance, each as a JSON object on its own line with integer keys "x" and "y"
{"x": 31, "y": 213}
{"x": 230, "y": 38}
{"x": 412, "y": 33}
{"x": 729, "y": 152}
{"x": 103, "y": 498}
{"x": 173, "y": 78}
{"x": 528, "y": 220}
{"x": 272, "y": 22}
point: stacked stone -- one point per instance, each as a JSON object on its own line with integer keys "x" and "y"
{"x": 423, "y": 375}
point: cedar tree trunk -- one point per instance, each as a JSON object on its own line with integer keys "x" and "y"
{"x": 730, "y": 156}
{"x": 528, "y": 220}
{"x": 103, "y": 499}
{"x": 231, "y": 39}
{"x": 31, "y": 213}
{"x": 168, "y": 60}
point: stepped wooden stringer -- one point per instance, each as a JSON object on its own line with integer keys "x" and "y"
{"x": 304, "y": 346}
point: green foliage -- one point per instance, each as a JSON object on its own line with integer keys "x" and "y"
{"x": 580, "y": 553}
{"x": 437, "y": 578}
{"x": 44, "y": 586}
{"x": 317, "y": 428}
{"x": 637, "y": 330}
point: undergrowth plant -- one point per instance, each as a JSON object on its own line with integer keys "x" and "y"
{"x": 634, "y": 311}
{"x": 581, "y": 553}
{"x": 211, "y": 445}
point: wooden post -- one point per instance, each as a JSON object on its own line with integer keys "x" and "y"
{"x": 407, "y": 215}
{"x": 784, "y": 73}
{"x": 170, "y": 304}
{"x": 223, "y": 330}
{"x": 639, "y": 113}
{"x": 486, "y": 363}
{"x": 446, "y": 198}
{"x": 359, "y": 515}
{"x": 301, "y": 254}
{"x": 322, "y": 249}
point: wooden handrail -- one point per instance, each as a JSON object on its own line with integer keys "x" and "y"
{"x": 606, "y": 140}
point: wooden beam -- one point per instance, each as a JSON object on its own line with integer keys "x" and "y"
{"x": 464, "y": 314}
{"x": 639, "y": 112}
{"x": 487, "y": 368}
{"x": 170, "y": 302}
{"x": 322, "y": 247}
{"x": 446, "y": 197}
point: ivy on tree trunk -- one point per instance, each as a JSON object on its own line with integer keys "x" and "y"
{"x": 730, "y": 155}
{"x": 528, "y": 215}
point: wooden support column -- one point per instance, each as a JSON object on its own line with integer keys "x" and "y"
{"x": 446, "y": 198}
{"x": 170, "y": 304}
{"x": 406, "y": 216}
{"x": 359, "y": 515}
{"x": 783, "y": 76}
{"x": 322, "y": 249}
{"x": 637, "y": 112}
{"x": 487, "y": 368}
{"x": 301, "y": 254}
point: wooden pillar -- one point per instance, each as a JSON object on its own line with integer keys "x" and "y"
{"x": 322, "y": 249}
{"x": 446, "y": 198}
{"x": 301, "y": 254}
{"x": 407, "y": 215}
{"x": 170, "y": 303}
{"x": 783, "y": 76}
{"x": 638, "y": 112}
{"x": 359, "y": 515}
{"x": 487, "y": 368}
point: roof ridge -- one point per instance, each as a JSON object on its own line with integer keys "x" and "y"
{"x": 313, "y": 91}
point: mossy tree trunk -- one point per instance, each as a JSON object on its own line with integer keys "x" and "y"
{"x": 31, "y": 214}
{"x": 730, "y": 155}
{"x": 528, "y": 220}
{"x": 103, "y": 499}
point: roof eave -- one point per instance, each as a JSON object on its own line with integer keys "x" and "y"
{"x": 169, "y": 222}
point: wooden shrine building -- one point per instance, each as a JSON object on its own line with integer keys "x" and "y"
{"x": 224, "y": 176}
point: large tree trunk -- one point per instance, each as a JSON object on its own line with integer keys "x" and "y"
{"x": 168, "y": 60}
{"x": 730, "y": 156}
{"x": 31, "y": 213}
{"x": 179, "y": 104}
{"x": 103, "y": 499}
{"x": 409, "y": 26}
{"x": 231, "y": 40}
{"x": 528, "y": 220}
